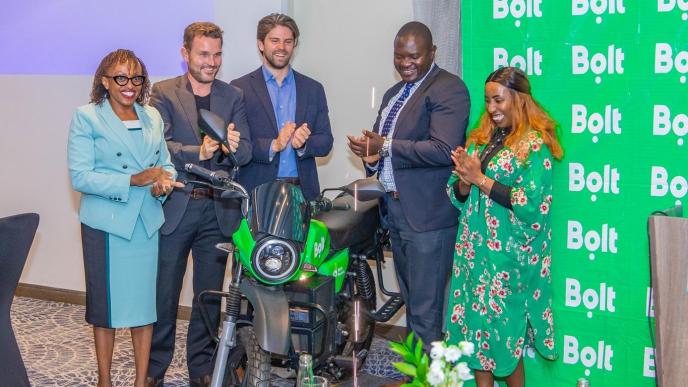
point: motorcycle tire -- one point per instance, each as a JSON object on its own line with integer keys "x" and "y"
{"x": 345, "y": 311}
{"x": 256, "y": 363}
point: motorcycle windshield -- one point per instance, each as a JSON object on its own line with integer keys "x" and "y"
{"x": 281, "y": 210}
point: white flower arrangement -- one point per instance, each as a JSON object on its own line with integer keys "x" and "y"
{"x": 445, "y": 368}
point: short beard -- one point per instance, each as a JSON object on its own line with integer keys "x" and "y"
{"x": 275, "y": 65}
{"x": 198, "y": 76}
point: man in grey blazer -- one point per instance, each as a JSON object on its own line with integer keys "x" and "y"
{"x": 421, "y": 119}
{"x": 195, "y": 217}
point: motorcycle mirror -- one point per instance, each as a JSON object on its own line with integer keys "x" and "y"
{"x": 213, "y": 125}
{"x": 231, "y": 195}
{"x": 365, "y": 189}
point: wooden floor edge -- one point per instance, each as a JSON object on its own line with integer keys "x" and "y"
{"x": 77, "y": 297}
{"x": 69, "y": 296}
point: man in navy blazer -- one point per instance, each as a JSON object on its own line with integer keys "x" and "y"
{"x": 196, "y": 219}
{"x": 287, "y": 113}
{"x": 421, "y": 119}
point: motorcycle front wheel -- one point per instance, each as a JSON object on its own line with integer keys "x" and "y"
{"x": 248, "y": 365}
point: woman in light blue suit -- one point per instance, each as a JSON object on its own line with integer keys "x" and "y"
{"x": 118, "y": 160}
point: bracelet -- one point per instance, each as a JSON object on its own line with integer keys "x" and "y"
{"x": 482, "y": 182}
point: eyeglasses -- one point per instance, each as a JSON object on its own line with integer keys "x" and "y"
{"x": 136, "y": 80}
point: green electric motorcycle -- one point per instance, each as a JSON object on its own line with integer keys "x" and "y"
{"x": 300, "y": 278}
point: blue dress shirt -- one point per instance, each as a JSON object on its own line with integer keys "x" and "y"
{"x": 283, "y": 98}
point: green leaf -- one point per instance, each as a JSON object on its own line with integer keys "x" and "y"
{"x": 409, "y": 340}
{"x": 425, "y": 360}
{"x": 402, "y": 351}
{"x": 398, "y": 348}
{"x": 405, "y": 368}
{"x": 422, "y": 368}
{"x": 419, "y": 350}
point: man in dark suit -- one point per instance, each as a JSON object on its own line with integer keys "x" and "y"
{"x": 195, "y": 217}
{"x": 287, "y": 113}
{"x": 421, "y": 119}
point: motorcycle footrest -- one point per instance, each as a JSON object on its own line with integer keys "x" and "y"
{"x": 389, "y": 309}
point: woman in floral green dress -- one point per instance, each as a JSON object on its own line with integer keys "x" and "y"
{"x": 500, "y": 294}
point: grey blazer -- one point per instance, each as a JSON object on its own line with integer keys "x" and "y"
{"x": 175, "y": 101}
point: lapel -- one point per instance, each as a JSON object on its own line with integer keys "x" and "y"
{"x": 218, "y": 98}
{"x": 257, "y": 81}
{"x": 149, "y": 141}
{"x": 117, "y": 128}
{"x": 299, "y": 116}
{"x": 188, "y": 104}
{"x": 416, "y": 97}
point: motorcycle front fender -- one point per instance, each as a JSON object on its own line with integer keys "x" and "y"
{"x": 270, "y": 316}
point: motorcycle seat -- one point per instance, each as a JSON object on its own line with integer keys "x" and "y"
{"x": 352, "y": 227}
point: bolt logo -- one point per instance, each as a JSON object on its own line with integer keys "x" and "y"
{"x": 649, "y": 363}
{"x": 588, "y": 356}
{"x": 598, "y": 7}
{"x": 606, "y": 122}
{"x": 606, "y": 181}
{"x": 318, "y": 247}
{"x": 663, "y": 123}
{"x": 339, "y": 271}
{"x": 670, "y": 5}
{"x": 666, "y": 61}
{"x": 661, "y": 184}
{"x": 530, "y": 62}
{"x": 517, "y": 9}
{"x": 592, "y": 299}
{"x": 599, "y": 63}
{"x": 603, "y": 241}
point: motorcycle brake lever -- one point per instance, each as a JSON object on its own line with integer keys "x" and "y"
{"x": 206, "y": 184}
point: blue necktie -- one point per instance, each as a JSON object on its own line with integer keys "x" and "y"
{"x": 387, "y": 126}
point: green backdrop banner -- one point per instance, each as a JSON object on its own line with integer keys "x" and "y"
{"x": 613, "y": 74}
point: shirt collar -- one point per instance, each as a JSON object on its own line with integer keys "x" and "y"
{"x": 417, "y": 83}
{"x": 271, "y": 78}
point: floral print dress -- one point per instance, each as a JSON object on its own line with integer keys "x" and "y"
{"x": 500, "y": 285}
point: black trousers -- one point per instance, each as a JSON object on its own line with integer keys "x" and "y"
{"x": 422, "y": 261}
{"x": 198, "y": 233}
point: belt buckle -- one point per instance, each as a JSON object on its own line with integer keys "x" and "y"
{"x": 200, "y": 193}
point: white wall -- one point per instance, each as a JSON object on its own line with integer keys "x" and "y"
{"x": 347, "y": 46}
{"x": 36, "y": 111}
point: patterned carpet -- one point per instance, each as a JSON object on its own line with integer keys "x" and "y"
{"x": 57, "y": 348}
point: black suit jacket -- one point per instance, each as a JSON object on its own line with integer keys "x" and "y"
{"x": 431, "y": 124}
{"x": 311, "y": 108}
{"x": 175, "y": 100}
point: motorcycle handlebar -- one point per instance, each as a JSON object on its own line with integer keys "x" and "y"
{"x": 323, "y": 204}
{"x": 213, "y": 177}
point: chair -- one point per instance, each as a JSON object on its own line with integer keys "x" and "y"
{"x": 16, "y": 236}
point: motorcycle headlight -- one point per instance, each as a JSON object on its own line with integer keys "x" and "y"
{"x": 274, "y": 260}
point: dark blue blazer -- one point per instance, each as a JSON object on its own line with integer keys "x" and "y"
{"x": 311, "y": 108}
{"x": 431, "y": 124}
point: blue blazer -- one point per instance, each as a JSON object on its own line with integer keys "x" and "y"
{"x": 311, "y": 108}
{"x": 102, "y": 158}
{"x": 432, "y": 123}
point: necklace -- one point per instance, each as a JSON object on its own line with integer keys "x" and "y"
{"x": 496, "y": 140}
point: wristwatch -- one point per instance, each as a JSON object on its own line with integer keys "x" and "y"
{"x": 384, "y": 151}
